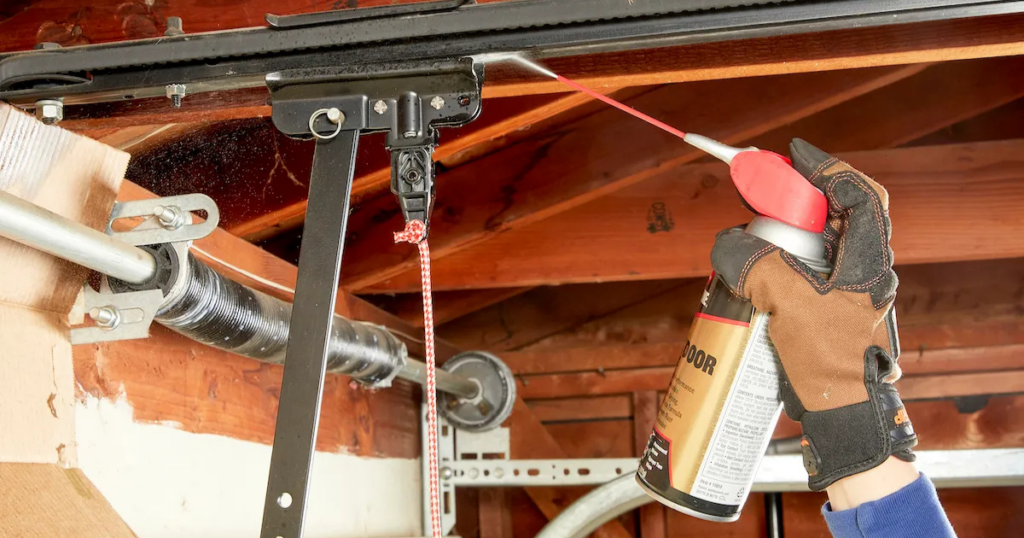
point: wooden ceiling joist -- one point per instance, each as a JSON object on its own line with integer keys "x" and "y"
{"x": 601, "y": 154}
{"x": 957, "y": 202}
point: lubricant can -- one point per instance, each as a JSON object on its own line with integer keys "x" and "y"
{"x": 720, "y": 410}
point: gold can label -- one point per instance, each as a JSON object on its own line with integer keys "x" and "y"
{"x": 718, "y": 413}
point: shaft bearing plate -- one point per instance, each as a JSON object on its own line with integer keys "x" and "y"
{"x": 492, "y": 405}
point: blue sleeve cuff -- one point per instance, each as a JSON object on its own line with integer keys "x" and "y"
{"x": 912, "y": 512}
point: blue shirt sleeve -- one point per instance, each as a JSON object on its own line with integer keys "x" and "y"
{"x": 912, "y": 512}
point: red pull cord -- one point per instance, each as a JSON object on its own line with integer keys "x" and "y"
{"x": 416, "y": 232}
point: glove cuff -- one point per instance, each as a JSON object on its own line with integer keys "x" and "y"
{"x": 848, "y": 440}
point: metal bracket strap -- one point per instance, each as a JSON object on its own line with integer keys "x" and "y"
{"x": 171, "y": 218}
{"x": 316, "y": 289}
{"x": 408, "y": 101}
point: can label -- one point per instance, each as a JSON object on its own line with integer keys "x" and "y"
{"x": 718, "y": 413}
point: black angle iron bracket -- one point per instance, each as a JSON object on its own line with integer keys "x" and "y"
{"x": 408, "y": 101}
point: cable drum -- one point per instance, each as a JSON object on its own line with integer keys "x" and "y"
{"x": 227, "y": 315}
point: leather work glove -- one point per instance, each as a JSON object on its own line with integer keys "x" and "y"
{"x": 836, "y": 334}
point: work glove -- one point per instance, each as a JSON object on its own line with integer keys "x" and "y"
{"x": 835, "y": 334}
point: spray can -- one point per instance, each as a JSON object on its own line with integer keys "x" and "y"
{"x": 722, "y": 405}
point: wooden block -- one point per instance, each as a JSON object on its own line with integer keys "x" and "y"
{"x": 47, "y": 501}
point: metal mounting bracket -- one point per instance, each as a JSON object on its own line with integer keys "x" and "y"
{"x": 335, "y": 106}
{"x": 118, "y": 316}
{"x": 169, "y": 219}
{"x": 126, "y": 314}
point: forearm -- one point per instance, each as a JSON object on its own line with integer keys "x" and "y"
{"x": 891, "y": 476}
{"x": 890, "y": 501}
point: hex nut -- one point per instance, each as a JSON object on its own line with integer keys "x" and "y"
{"x": 49, "y": 111}
{"x": 437, "y": 102}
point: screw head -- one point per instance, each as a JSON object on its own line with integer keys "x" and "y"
{"x": 175, "y": 89}
{"x": 437, "y": 102}
{"x": 335, "y": 116}
{"x": 446, "y": 473}
{"x": 380, "y": 106}
{"x": 49, "y": 111}
{"x": 175, "y": 92}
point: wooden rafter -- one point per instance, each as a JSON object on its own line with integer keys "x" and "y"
{"x": 599, "y": 155}
{"x": 950, "y": 203}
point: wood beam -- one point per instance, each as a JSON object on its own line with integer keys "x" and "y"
{"x": 448, "y": 305}
{"x": 619, "y": 406}
{"x": 842, "y": 49}
{"x": 540, "y": 313}
{"x": 912, "y": 387}
{"x": 168, "y": 378}
{"x": 946, "y": 305}
{"x": 480, "y": 138}
{"x": 135, "y": 140}
{"x": 597, "y": 156}
{"x": 941, "y": 95}
{"x": 975, "y": 188}
{"x": 252, "y": 266}
{"x": 998, "y": 124}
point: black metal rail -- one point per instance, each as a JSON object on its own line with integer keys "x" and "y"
{"x": 541, "y": 28}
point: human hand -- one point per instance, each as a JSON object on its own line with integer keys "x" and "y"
{"x": 836, "y": 335}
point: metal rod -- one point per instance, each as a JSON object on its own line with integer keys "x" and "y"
{"x": 773, "y": 514}
{"x": 64, "y": 238}
{"x": 36, "y": 227}
{"x": 462, "y": 387}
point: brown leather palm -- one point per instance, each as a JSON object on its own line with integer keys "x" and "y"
{"x": 835, "y": 334}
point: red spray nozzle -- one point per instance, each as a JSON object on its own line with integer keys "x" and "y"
{"x": 771, "y": 186}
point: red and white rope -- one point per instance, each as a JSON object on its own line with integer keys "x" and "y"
{"x": 416, "y": 232}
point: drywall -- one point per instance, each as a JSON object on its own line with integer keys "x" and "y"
{"x": 168, "y": 483}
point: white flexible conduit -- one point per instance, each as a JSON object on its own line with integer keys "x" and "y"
{"x": 596, "y": 508}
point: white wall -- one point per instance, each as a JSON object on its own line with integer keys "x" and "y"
{"x": 168, "y": 483}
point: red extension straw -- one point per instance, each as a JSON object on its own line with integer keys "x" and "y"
{"x": 628, "y": 110}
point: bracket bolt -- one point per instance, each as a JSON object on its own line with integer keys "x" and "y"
{"x": 170, "y": 217}
{"x": 437, "y": 102}
{"x": 176, "y": 92}
{"x": 380, "y": 106}
{"x": 174, "y": 27}
{"x": 46, "y": 45}
{"x": 50, "y": 111}
{"x": 106, "y": 317}
{"x": 446, "y": 473}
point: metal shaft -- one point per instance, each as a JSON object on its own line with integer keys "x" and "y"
{"x": 462, "y": 387}
{"x": 49, "y": 232}
{"x": 212, "y": 310}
